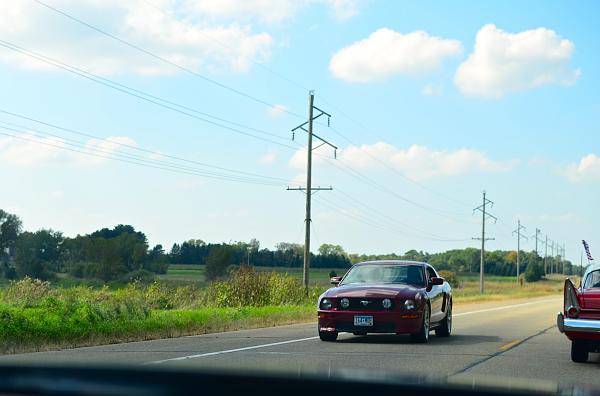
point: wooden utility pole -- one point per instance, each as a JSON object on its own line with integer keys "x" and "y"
{"x": 309, "y": 189}
{"x": 484, "y": 216}
{"x": 519, "y": 236}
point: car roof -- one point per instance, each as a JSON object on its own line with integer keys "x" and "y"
{"x": 392, "y": 262}
{"x": 591, "y": 268}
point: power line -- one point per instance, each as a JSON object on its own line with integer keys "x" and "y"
{"x": 96, "y": 152}
{"x": 150, "y": 99}
{"x": 129, "y": 146}
{"x": 181, "y": 109}
{"x": 162, "y": 59}
{"x": 230, "y": 48}
{"x": 395, "y": 221}
{"x": 394, "y": 170}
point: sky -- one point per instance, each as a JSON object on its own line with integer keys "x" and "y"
{"x": 175, "y": 116}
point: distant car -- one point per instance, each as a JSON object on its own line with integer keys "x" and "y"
{"x": 580, "y": 318}
{"x": 400, "y": 297}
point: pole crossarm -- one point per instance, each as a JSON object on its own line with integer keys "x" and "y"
{"x": 485, "y": 239}
{"x": 314, "y": 190}
{"x": 309, "y": 122}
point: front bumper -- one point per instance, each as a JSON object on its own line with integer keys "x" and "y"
{"x": 383, "y": 321}
{"x": 568, "y": 325}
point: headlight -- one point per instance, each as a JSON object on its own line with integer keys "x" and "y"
{"x": 387, "y": 303}
{"x": 326, "y": 303}
{"x": 344, "y": 303}
{"x": 409, "y": 304}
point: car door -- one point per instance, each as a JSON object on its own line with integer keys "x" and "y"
{"x": 436, "y": 296}
{"x": 591, "y": 291}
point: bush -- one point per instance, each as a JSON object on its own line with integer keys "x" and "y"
{"x": 534, "y": 272}
{"x": 139, "y": 276}
{"x": 247, "y": 287}
{"x": 217, "y": 262}
{"x": 451, "y": 278}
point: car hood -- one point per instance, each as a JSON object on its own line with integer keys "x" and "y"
{"x": 382, "y": 291}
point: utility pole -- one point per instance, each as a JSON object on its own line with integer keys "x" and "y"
{"x": 309, "y": 189}
{"x": 483, "y": 209}
{"x": 538, "y": 232}
{"x": 546, "y": 255}
{"x": 552, "y": 263}
{"x": 519, "y": 236}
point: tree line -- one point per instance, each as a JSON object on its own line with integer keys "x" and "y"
{"x": 123, "y": 253}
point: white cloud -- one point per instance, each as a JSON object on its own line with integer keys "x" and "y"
{"x": 267, "y": 158}
{"x": 27, "y": 149}
{"x": 432, "y": 90}
{"x": 344, "y": 9}
{"x": 269, "y": 11}
{"x": 277, "y": 110}
{"x": 386, "y": 53}
{"x": 505, "y": 62}
{"x": 588, "y": 169}
{"x": 417, "y": 162}
{"x": 170, "y": 30}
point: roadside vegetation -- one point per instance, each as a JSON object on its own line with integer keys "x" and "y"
{"x": 111, "y": 286}
{"x": 36, "y": 316}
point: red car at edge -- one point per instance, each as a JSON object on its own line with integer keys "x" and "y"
{"x": 580, "y": 318}
{"x": 400, "y": 297}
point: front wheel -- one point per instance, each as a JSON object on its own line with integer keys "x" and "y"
{"x": 579, "y": 351}
{"x": 328, "y": 336}
{"x": 445, "y": 328}
{"x": 423, "y": 335}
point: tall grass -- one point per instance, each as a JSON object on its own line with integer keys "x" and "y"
{"x": 34, "y": 315}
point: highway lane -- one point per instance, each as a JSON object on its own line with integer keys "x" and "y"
{"x": 515, "y": 339}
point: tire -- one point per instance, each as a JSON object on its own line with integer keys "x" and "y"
{"x": 445, "y": 328}
{"x": 328, "y": 336}
{"x": 423, "y": 335}
{"x": 579, "y": 351}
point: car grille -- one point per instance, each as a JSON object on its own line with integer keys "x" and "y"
{"x": 373, "y": 304}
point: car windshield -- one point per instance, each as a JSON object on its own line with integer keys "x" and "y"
{"x": 592, "y": 280}
{"x": 375, "y": 274}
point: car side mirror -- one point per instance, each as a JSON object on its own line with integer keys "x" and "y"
{"x": 435, "y": 281}
{"x": 335, "y": 280}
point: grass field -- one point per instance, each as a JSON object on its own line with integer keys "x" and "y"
{"x": 36, "y": 315}
{"x": 506, "y": 287}
{"x": 194, "y": 273}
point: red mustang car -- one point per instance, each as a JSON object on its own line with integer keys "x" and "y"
{"x": 580, "y": 318}
{"x": 401, "y": 297}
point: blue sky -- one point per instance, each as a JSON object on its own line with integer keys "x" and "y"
{"x": 420, "y": 113}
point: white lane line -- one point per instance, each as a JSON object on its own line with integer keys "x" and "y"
{"x": 233, "y": 350}
{"x": 314, "y": 338}
{"x": 503, "y": 307}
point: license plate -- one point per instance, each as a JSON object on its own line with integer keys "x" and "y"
{"x": 363, "y": 321}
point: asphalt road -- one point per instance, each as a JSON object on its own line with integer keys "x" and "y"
{"x": 515, "y": 341}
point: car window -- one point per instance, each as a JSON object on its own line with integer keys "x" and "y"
{"x": 373, "y": 274}
{"x": 431, "y": 273}
{"x": 592, "y": 280}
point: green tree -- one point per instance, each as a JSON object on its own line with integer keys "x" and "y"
{"x": 534, "y": 272}
{"x": 38, "y": 253}
{"x": 10, "y": 228}
{"x": 327, "y": 249}
{"x": 217, "y": 262}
